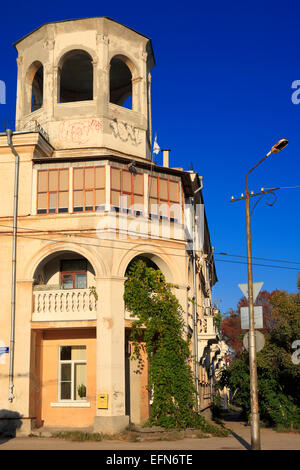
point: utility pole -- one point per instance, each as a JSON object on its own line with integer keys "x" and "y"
{"x": 255, "y": 426}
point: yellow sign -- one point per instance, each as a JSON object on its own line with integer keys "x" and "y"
{"x": 102, "y": 400}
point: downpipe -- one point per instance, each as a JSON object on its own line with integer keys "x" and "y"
{"x": 195, "y": 294}
{"x": 9, "y": 134}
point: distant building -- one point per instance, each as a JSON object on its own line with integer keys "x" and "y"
{"x": 90, "y": 201}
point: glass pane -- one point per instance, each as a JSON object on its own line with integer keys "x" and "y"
{"x": 42, "y": 180}
{"x": 163, "y": 189}
{"x": 138, "y": 184}
{"x": 65, "y": 373}
{"x": 116, "y": 178}
{"x": 78, "y": 353}
{"x": 42, "y": 202}
{"x": 80, "y": 381}
{"x": 100, "y": 177}
{"x": 99, "y": 197}
{"x": 115, "y": 198}
{"x": 53, "y": 180}
{"x": 65, "y": 353}
{"x": 67, "y": 284}
{"x": 65, "y": 390}
{"x": 52, "y": 202}
{"x": 63, "y": 199}
{"x": 89, "y": 200}
{"x": 64, "y": 180}
{"x": 153, "y": 206}
{"x": 89, "y": 177}
{"x": 174, "y": 191}
{"x": 80, "y": 281}
{"x": 153, "y": 186}
{"x": 126, "y": 181}
{"x": 78, "y": 201}
{"x": 78, "y": 178}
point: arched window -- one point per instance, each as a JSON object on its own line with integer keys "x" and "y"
{"x": 76, "y": 77}
{"x": 37, "y": 89}
{"x": 120, "y": 82}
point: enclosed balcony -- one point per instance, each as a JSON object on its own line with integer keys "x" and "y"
{"x": 64, "y": 289}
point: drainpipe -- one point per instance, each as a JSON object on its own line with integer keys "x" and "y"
{"x": 195, "y": 294}
{"x": 9, "y": 134}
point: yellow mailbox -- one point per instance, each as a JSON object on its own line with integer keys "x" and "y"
{"x": 102, "y": 400}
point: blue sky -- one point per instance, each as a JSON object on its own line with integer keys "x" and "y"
{"x": 221, "y": 97}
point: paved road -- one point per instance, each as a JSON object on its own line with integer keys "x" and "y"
{"x": 240, "y": 439}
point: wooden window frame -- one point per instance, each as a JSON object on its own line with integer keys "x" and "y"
{"x": 84, "y": 189}
{"x": 131, "y": 193}
{"x": 72, "y": 362}
{"x": 72, "y": 273}
{"x": 161, "y": 200}
{"x": 48, "y": 192}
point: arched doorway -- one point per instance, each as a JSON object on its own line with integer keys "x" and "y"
{"x": 137, "y": 396}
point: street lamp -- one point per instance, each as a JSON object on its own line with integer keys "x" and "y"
{"x": 255, "y": 430}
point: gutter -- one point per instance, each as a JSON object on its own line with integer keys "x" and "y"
{"x": 195, "y": 294}
{"x": 9, "y": 134}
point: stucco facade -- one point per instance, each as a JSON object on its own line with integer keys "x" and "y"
{"x": 90, "y": 200}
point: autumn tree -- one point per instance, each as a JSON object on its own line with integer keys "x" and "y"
{"x": 278, "y": 366}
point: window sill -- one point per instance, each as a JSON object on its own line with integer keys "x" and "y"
{"x": 71, "y": 404}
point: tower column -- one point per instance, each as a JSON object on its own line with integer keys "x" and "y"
{"x": 110, "y": 361}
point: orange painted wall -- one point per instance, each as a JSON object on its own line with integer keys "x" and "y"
{"x": 49, "y": 346}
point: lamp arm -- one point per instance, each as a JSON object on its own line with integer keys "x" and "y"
{"x": 247, "y": 190}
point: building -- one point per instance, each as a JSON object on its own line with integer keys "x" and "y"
{"x": 90, "y": 199}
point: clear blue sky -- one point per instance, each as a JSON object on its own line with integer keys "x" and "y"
{"x": 221, "y": 97}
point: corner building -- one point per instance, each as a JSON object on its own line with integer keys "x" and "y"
{"x": 90, "y": 201}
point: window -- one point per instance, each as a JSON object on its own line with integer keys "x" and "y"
{"x": 76, "y": 77}
{"x": 72, "y": 373}
{"x": 37, "y": 89}
{"x": 89, "y": 189}
{"x": 164, "y": 199}
{"x": 73, "y": 274}
{"x": 120, "y": 78}
{"x": 53, "y": 191}
{"x": 127, "y": 191}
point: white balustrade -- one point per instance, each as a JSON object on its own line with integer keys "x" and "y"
{"x": 64, "y": 305}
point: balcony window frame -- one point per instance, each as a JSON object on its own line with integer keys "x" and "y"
{"x": 73, "y": 274}
{"x": 73, "y": 363}
{"x": 48, "y": 210}
{"x": 123, "y": 192}
{"x": 85, "y": 189}
{"x": 162, "y": 200}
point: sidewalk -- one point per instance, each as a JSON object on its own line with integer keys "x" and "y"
{"x": 240, "y": 439}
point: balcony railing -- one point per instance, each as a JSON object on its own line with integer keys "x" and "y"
{"x": 64, "y": 305}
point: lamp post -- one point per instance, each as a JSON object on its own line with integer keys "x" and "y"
{"x": 255, "y": 429}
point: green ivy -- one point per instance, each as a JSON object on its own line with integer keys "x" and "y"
{"x": 159, "y": 322}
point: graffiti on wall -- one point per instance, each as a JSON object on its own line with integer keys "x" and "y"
{"x": 79, "y": 132}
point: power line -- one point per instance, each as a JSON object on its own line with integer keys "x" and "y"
{"x": 75, "y": 233}
{"x": 262, "y": 259}
{"x": 141, "y": 251}
{"x": 257, "y": 264}
{"x": 67, "y": 232}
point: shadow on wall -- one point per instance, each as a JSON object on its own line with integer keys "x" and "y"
{"x": 10, "y": 421}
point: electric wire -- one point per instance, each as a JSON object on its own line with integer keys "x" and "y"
{"x": 75, "y": 233}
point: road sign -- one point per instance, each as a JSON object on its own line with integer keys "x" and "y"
{"x": 259, "y": 341}
{"x": 256, "y": 289}
{"x": 4, "y": 350}
{"x": 258, "y": 317}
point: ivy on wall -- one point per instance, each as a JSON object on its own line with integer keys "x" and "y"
{"x": 159, "y": 322}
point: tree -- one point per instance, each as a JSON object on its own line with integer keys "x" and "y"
{"x": 231, "y": 329}
{"x": 278, "y": 375}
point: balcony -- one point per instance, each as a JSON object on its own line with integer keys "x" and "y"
{"x": 64, "y": 305}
